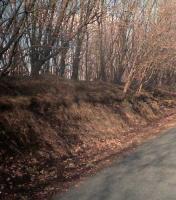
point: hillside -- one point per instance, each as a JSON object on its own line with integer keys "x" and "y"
{"x": 53, "y": 131}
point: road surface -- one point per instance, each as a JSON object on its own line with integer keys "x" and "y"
{"x": 149, "y": 173}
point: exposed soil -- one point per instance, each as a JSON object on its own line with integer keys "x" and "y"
{"x": 53, "y": 132}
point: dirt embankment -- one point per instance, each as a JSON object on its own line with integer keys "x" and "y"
{"x": 52, "y": 131}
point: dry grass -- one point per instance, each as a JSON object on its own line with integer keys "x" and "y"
{"x": 44, "y": 123}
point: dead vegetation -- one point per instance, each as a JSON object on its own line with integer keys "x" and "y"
{"x": 49, "y": 126}
{"x": 126, "y": 42}
{"x": 63, "y": 114}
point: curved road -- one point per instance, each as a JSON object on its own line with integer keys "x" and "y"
{"x": 149, "y": 173}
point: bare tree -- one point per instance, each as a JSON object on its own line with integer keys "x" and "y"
{"x": 12, "y": 26}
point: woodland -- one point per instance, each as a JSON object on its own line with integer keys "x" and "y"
{"x": 128, "y": 42}
{"x": 81, "y": 83}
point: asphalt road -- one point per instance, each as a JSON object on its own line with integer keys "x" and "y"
{"x": 149, "y": 173}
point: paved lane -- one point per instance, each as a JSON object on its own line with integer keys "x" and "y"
{"x": 149, "y": 173}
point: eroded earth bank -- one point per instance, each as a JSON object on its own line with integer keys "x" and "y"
{"x": 53, "y": 132}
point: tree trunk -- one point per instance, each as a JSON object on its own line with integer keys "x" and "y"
{"x": 63, "y": 58}
{"x": 35, "y": 69}
{"x": 76, "y": 60}
{"x": 119, "y": 75}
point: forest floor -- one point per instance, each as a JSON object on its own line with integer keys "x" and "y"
{"x": 54, "y": 132}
